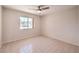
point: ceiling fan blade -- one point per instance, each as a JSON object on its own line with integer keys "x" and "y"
{"x": 45, "y": 8}
{"x": 40, "y": 8}
{"x": 41, "y": 5}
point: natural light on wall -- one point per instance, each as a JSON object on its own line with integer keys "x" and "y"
{"x": 25, "y": 22}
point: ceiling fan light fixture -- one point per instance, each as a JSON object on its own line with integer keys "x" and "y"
{"x": 39, "y": 11}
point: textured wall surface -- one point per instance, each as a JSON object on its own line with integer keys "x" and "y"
{"x": 11, "y": 26}
{"x": 61, "y": 25}
{"x": 0, "y": 25}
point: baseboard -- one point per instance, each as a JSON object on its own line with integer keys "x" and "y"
{"x": 20, "y": 39}
{"x": 60, "y": 40}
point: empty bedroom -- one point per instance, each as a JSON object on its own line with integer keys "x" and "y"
{"x": 39, "y": 29}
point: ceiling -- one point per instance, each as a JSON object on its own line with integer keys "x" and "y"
{"x": 29, "y": 8}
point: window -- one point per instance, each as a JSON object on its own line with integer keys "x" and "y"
{"x": 25, "y": 22}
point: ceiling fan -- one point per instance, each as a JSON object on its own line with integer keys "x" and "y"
{"x": 41, "y": 8}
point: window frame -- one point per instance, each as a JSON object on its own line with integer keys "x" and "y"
{"x": 26, "y": 28}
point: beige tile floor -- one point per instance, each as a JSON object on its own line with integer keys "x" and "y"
{"x": 39, "y": 44}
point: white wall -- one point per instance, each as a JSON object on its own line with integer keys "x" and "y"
{"x": 78, "y": 24}
{"x": 11, "y": 29}
{"x": 0, "y": 25}
{"x": 61, "y": 25}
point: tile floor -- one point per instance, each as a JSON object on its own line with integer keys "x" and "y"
{"x": 39, "y": 44}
